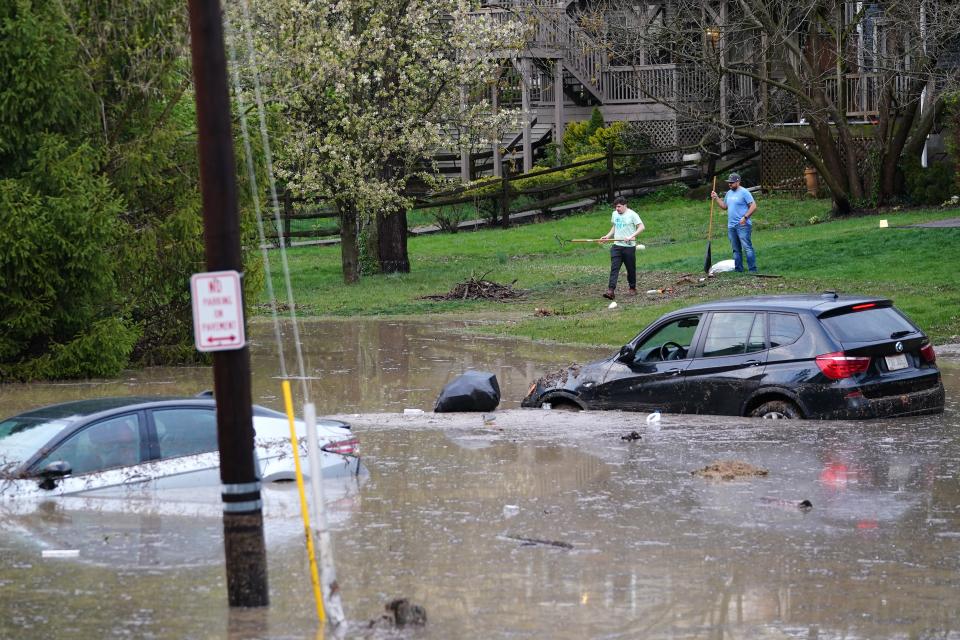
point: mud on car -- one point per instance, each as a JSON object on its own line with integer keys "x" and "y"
{"x": 795, "y": 356}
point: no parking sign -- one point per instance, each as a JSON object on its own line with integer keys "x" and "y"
{"x": 217, "y": 311}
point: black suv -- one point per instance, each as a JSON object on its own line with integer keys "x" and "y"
{"x": 794, "y": 356}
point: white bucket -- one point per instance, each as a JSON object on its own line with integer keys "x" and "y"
{"x": 687, "y": 171}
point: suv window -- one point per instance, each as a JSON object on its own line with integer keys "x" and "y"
{"x": 869, "y": 325}
{"x": 733, "y": 333}
{"x": 785, "y": 328}
{"x": 184, "y": 432}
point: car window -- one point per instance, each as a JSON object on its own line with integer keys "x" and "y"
{"x": 757, "y": 340}
{"x": 676, "y": 332}
{"x": 729, "y": 334}
{"x": 184, "y": 432}
{"x": 785, "y": 328}
{"x": 868, "y": 325}
{"x": 104, "y": 445}
{"x": 22, "y": 437}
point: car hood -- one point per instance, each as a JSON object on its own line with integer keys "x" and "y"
{"x": 576, "y": 375}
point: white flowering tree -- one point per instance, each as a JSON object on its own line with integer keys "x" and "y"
{"x": 365, "y": 90}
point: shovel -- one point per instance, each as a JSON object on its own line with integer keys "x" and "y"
{"x": 708, "y": 259}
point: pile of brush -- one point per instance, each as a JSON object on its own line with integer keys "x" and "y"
{"x": 480, "y": 289}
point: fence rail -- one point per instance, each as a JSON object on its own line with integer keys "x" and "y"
{"x": 499, "y": 200}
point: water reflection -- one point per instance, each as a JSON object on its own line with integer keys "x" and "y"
{"x": 449, "y": 509}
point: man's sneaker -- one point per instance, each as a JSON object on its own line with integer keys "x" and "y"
{"x": 609, "y": 295}
{"x": 632, "y": 292}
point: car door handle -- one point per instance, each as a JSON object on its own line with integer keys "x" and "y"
{"x": 674, "y": 372}
{"x": 753, "y": 363}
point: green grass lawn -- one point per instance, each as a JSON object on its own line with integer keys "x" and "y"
{"x": 914, "y": 267}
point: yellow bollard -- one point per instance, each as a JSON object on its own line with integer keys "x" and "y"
{"x": 314, "y": 574}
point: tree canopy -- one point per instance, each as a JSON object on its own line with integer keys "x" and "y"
{"x": 100, "y": 225}
{"x": 819, "y": 65}
{"x": 367, "y": 90}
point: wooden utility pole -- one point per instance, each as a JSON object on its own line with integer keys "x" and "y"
{"x": 242, "y": 508}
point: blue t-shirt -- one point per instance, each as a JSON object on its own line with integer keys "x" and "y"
{"x": 737, "y": 204}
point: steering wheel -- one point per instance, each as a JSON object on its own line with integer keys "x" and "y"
{"x": 666, "y": 353}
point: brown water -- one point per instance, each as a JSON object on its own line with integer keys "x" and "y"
{"x": 631, "y": 545}
{"x": 351, "y": 366}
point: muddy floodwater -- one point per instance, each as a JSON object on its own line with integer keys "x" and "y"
{"x": 535, "y": 524}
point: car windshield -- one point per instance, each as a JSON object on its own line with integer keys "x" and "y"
{"x": 669, "y": 342}
{"x": 23, "y": 436}
{"x": 869, "y": 325}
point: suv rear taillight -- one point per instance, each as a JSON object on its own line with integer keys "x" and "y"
{"x": 927, "y": 353}
{"x": 838, "y": 365}
{"x": 348, "y": 447}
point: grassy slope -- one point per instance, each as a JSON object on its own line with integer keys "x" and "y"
{"x": 915, "y": 267}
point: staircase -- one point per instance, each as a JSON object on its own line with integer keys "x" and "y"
{"x": 447, "y": 162}
{"x": 584, "y": 61}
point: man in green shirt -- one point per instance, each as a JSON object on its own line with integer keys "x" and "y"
{"x": 626, "y": 226}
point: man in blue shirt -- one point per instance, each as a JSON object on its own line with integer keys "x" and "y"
{"x": 740, "y": 206}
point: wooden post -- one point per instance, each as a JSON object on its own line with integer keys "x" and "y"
{"x": 494, "y": 108}
{"x": 287, "y": 218}
{"x": 724, "y": 116}
{"x": 558, "y": 108}
{"x": 505, "y": 203}
{"x": 465, "y": 169}
{"x": 611, "y": 175}
{"x": 525, "y": 80}
{"x": 246, "y": 562}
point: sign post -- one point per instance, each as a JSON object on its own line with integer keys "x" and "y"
{"x": 244, "y": 547}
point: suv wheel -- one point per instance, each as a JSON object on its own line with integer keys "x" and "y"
{"x": 776, "y": 410}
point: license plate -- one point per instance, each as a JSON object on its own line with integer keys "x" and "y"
{"x": 898, "y": 361}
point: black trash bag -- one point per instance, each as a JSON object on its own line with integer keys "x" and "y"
{"x": 471, "y": 391}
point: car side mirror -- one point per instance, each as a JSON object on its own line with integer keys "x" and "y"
{"x": 627, "y": 354}
{"x": 50, "y": 473}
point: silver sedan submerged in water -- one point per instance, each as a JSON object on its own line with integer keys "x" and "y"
{"x": 108, "y": 446}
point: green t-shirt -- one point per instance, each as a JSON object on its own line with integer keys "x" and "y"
{"x": 625, "y": 225}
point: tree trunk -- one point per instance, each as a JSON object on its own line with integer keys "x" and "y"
{"x": 835, "y": 175}
{"x": 841, "y": 204}
{"x": 392, "y": 239}
{"x": 369, "y": 244}
{"x": 349, "y": 244}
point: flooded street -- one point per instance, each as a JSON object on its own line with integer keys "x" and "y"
{"x": 539, "y": 524}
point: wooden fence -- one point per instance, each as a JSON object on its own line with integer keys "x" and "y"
{"x": 498, "y": 199}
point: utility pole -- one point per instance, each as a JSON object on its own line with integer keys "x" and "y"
{"x": 242, "y": 508}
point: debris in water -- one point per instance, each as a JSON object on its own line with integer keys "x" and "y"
{"x": 633, "y": 435}
{"x": 400, "y": 613}
{"x": 729, "y": 470}
{"x": 803, "y": 505}
{"x": 537, "y": 541}
{"x": 60, "y": 553}
{"x": 510, "y": 510}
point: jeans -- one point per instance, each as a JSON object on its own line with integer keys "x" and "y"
{"x": 625, "y": 256}
{"x": 739, "y": 236}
